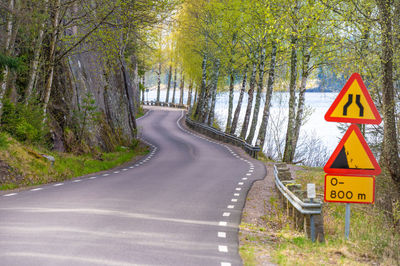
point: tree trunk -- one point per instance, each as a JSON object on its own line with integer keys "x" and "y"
{"x": 3, "y": 85}
{"x": 202, "y": 93}
{"x": 173, "y": 93}
{"x": 36, "y": 57}
{"x": 287, "y": 155}
{"x": 169, "y": 83}
{"x": 254, "y": 121}
{"x": 129, "y": 96}
{"x": 53, "y": 42}
{"x": 189, "y": 98}
{"x": 245, "y": 125}
{"x": 390, "y": 142}
{"x": 196, "y": 95}
{"x": 268, "y": 96}
{"x": 158, "y": 82}
{"x": 135, "y": 82}
{"x": 305, "y": 73}
{"x": 239, "y": 104}
{"x": 230, "y": 108}
{"x": 214, "y": 94}
{"x": 181, "y": 87}
{"x": 144, "y": 87}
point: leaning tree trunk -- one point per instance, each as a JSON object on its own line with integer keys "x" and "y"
{"x": 36, "y": 57}
{"x": 181, "y": 87}
{"x": 230, "y": 108}
{"x": 189, "y": 98}
{"x": 239, "y": 104}
{"x": 390, "y": 142}
{"x": 254, "y": 121}
{"x": 174, "y": 90}
{"x": 214, "y": 94}
{"x": 268, "y": 96}
{"x": 287, "y": 155}
{"x": 169, "y": 83}
{"x": 53, "y": 42}
{"x": 158, "y": 82}
{"x": 305, "y": 73}
{"x": 129, "y": 96}
{"x": 246, "y": 120}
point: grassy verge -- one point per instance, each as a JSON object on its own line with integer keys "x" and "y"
{"x": 28, "y": 168}
{"x": 374, "y": 238}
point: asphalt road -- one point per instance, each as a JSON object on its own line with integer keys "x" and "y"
{"x": 180, "y": 205}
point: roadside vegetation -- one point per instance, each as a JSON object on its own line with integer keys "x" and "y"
{"x": 24, "y": 165}
{"x": 374, "y": 232}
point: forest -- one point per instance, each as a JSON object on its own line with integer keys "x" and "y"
{"x": 267, "y": 46}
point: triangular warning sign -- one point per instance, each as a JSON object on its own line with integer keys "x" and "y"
{"x": 352, "y": 156}
{"x": 353, "y": 104}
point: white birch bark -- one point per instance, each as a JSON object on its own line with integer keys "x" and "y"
{"x": 214, "y": 94}
{"x": 53, "y": 43}
{"x": 256, "y": 111}
{"x": 239, "y": 104}
{"x": 36, "y": 57}
{"x": 158, "y": 82}
{"x": 246, "y": 120}
{"x": 268, "y": 96}
{"x": 9, "y": 32}
{"x": 182, "y": 85}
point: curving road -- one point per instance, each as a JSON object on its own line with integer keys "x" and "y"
{"x": 180, "y": 205}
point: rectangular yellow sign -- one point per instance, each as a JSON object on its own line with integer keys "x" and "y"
{"x": 349, "y": 189}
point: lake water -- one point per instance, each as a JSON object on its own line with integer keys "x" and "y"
{"x": 316, "y": 133}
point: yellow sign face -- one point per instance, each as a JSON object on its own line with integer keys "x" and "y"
{"x": 352, "y": 156}
{"x": 354, "y": 104}
{"x": 349, "y": 189}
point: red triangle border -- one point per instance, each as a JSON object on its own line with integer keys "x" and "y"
{"x": 328, "y": 115}
{"x": 375, "y": 171}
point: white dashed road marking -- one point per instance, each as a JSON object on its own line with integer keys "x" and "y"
{"x": 231, "y": 206}
{"x": 76, "y": 181}
{"x": 222, "y": 248}
{"x": 222, "y": 223}
{"x": 221, "y": 234}
{"x": 226, "y": 214}
{"x": 36, "y": 189}
{"x": 10, "y": 194}
{"x": 57, "y": 185}
{"x": 226, "y": 264}
{"x": 93, "y": 177}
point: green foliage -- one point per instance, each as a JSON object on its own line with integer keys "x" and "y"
{"x": 24, "y": 122}
{"x": 3, "y": 141}
{"x": 11, "y": 62}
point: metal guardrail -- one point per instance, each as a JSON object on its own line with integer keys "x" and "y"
{"x": 174, "y": 105}
{"x": 301, "y": 206}
{"x": 222, "y": 136}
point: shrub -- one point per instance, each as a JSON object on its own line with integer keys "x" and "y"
{"x": 24, "y": 122}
